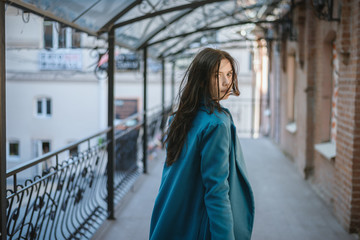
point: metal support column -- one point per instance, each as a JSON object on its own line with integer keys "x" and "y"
{"x": 3, "y": 124}
{"x": 163, "y": 95}
{"x": 163, "y": 86}
{"x": 111, "y": 138}
{"x": 173, "y": 84}
{"x": 145, "y": 143}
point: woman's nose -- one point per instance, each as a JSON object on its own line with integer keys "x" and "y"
{"x": 226, "y": 81}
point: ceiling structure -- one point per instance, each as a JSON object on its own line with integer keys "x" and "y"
{"x": 165, "y": 27}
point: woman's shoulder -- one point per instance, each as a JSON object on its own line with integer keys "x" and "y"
{"x": 217, "y": 117}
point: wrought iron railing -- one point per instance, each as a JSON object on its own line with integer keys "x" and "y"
{"x": 68, "y": 200}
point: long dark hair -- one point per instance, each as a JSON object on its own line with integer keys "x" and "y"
{"x": 194, "y": 89}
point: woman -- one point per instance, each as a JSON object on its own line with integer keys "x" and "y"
{"x": 204, "y": 191}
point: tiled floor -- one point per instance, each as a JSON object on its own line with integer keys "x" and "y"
{"x": 286, "y": 206}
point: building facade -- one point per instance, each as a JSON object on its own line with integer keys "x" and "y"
{"x": 314, "y": 100}
{"x": 55, "y": 96}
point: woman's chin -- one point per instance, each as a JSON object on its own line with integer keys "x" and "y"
{"x": 225, "y": 97}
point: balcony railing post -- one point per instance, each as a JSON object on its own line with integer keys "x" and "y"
{"x": 145, "y": 117}
{"x": 110, "y": 136}
{"x": 3, "y": 124}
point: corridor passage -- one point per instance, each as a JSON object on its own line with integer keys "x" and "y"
{"x": 286, "y": 206}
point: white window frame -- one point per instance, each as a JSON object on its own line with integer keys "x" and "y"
{"x": 43, "y": 113}
{"x": 55, "y": 36}
{"x": 12, "y": 157}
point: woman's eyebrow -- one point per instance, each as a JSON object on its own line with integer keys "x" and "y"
{"x": 227, "y": 71}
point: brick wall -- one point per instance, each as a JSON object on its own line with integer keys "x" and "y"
{"x": 347, "y": 179}
{"x": 299, "y": 145}
{"x": 323, "y": 172}
{"x": 338, "y": 181}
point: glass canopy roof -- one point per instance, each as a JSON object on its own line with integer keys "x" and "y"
{"x": 166, "y": 27}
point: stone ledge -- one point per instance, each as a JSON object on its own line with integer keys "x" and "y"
{"x": 327, "y": 149}
{"x": 291, "y": 127}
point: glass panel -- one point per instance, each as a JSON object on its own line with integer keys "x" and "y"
{"x": 202, "y": 17}
{"x": 39, "y": 106}
{"x": 95, "y": 13}
{"x": 136, "y": 33}
{"x": 14, "y": 149}
{"x": 62, "y": 37}
{"x": 76, "y": 36}
{"x": 151, "y": 6}
{"x": 102, "y": 12}
{"x": 48, "y": 34}
{"x": 45, "y": 147}
{"x": 48, "y": 106}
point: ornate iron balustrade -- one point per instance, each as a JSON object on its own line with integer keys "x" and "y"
{"x": 68, "y": 199}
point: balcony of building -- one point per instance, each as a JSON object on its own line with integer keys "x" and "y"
{"x": 286, "y": 206}
{"x": 297, "y": 116}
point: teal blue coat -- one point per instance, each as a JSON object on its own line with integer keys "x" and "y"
{"x": 205, "y": 194}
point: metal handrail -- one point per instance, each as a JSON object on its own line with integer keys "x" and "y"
{"x": 69, "y": 198}
{"x": 46, "y": 156}
{"x": 33, "y": 162}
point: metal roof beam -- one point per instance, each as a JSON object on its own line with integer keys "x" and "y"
{"x": 46, "y": 14}
{"x": 177, "y": 18}
{"x": 86, "y": 10}
{"x": 161, "y": 55}
{"x": 224, "y": 42}
{"x": 164, "y": 11}
{"x": 173, "y": 55}
{"x": 163, "y": 27}
{"x": 212, "y": 29}
{"x": 232, "y": 14}
{"x": 106, "y": 27}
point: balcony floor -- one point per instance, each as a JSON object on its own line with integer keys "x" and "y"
{"x": 286, "y": 207}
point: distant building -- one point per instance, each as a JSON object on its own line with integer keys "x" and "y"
{"x": 53, "y": 95}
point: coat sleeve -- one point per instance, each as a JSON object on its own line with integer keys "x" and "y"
{"x": 214, "y": 172}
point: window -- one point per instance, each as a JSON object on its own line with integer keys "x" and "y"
{"x": 73, "y": 152}
{"x": 291, "y": 83}
{"x": 56, "y": 36}
{"x": 43, "y": 107}
{"x": 42, "y": 147}
{"x": 335, "y": 91}
{"x": 14, "y": 150}
{"x": 76, "y": 36}
{"x": 48, "y": 34}
{"x": 327, "y": 101}
{"x": 251, "y": 57}
{"x": 62, "y": 38}
{"x": 45, "y": 146}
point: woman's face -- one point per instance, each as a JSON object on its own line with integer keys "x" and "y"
{"x": 221, "y": 89}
